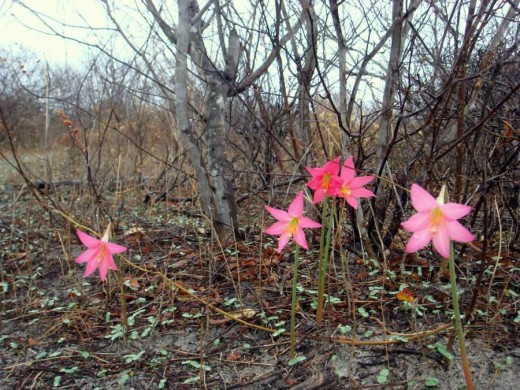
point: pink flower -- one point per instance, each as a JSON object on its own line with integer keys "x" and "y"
{"x": 324, "y": 180}
{"x": 351, "y": 187}
{"x": 436, "y": 222}
{"x": 290, "y": 223}
{"x": 99, "y": 253}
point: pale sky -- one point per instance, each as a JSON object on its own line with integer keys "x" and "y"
{"x": 19, "y": 28}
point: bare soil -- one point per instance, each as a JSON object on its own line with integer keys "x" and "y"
{"x": 59, "y": 330}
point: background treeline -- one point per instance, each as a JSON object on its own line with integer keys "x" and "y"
{"x": 233, "y": 102}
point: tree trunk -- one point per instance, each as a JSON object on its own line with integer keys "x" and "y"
{"x": 223, "y": 206}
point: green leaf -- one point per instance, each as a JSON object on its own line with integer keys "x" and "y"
{"x": 71, "y": 370}
{"x": 383, "y": 376}
{"x": 296, "y": 360}
{"x": 363, "y": 312}
{"x": 431, "y": 382}
{"x": 57, "y": 381}
{"x": 191, "y": 380}
{"x": 133, "y": 357}
{"x": 400, "y": 338}
{"x": 345, "y": 329}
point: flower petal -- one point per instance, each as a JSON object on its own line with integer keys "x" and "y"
{"x": 296, "y": 206}
{"x": 319, "y": 194}
{"x": 103, "y": 269}
{"x": 457, "y": 232}
{"x": 315, "y": 182}
{"x": 276, "y": 229}
{"x": 421, "y": 199}
{"x": 348, "y": 172}
{"x": 360, "y": 181}
{"x": 453, "y": 211}
{"x": 417, "y": 222}
{"x": 361, "y": 193}
{"x": 86, "y": 256}
{"x": 88, "y": 241}
{"x": 332, "y": 167}
{"x": 280, "y": 215}
{"x": 111, "y": 263}
{"x": 115, "y": 248}
{"x": 282, "y": 242}
{"x": 305, "y": 222}
{"x": 418, "y": 241}
{"x": 352, "y": 200}
{"x": 91, "y": 267}
{"x": 441, "y": 241}
{"x": 299, "y": 237}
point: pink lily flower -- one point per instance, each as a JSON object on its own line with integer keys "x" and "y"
{"x": 99, "y": 253}
{"x": 324, "y": 180}
{"x": 290, "y": 223}
{"x": 436, "y": 222}
{"x": 351, "y": 187}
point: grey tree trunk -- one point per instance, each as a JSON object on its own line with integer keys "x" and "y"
{"x": 207, "y": 144}
{"x": 222, "y": 195}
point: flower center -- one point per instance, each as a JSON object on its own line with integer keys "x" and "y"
{"x": 345, "y": 190}
{"x": 325, "y": 181}
{"x": 436, "y": 218}
{"x": 102, "y": 252}
{"x": 292, "y": 226}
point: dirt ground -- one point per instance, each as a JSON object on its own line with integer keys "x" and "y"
{"x": 59, "y": 330}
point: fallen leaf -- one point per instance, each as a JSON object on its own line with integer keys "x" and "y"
{"x": 234, "y": 356}
{"x": 31, "y": 341}
{"x": 405, "y": 295}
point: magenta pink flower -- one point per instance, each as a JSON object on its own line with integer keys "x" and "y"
{"x": 290, "y": 223}
{"x": 436, "y": 222}
{"x": 351, "y": 187}
{"x": 99, "y": 253}
{"x": 324, "y": 180}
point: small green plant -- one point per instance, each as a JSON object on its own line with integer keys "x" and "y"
{"x": 133, "y": 357}
{"x": 441, "y": 348}
{"x": 71, "y": 370}
{"x": 296, "y": 360}
{"x": 431, "y": 382}
{"x": 57, "y": 381}
{"x": 362, "y": 311}
{"x": 196, "y": 365}
{"x": 345, "y": 329}
{"x": 123, "y": 379}
{"x": 193, "y": 379}
{"x": 504, "y": 366}
{"x": 192, "y": 316}
{"x": 116, "y": 333}
{"x": 382, "y": 377}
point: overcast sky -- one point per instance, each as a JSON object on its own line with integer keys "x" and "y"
{"x": 19, "y": 28}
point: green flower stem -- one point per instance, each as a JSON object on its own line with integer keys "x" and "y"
{"x": 294, "y": 301}
{"x": 458, "y": 323}
{"x": 323, "y": 260}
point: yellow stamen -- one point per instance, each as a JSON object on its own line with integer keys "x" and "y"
{"x": 345, "y": 190}
{"x": 326, "y": 181}
{"x": 436, "y": 219}
{"x": 102, "y": 252}
{"x": 292, "y": 226}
